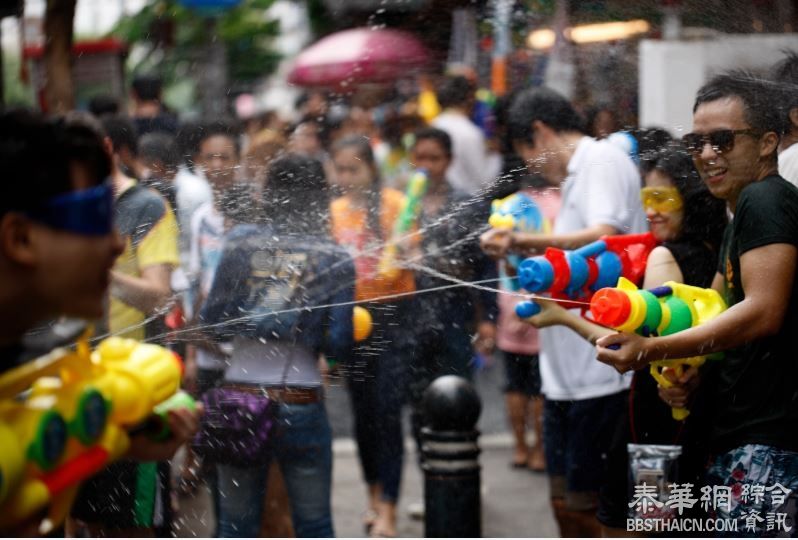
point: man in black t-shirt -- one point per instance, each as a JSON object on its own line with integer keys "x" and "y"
{"x": 754, "y": 389}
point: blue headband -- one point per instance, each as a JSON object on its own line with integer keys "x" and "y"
{"x": 88, "y": 212}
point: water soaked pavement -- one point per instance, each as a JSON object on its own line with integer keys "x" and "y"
{"x": 514, "y": 502}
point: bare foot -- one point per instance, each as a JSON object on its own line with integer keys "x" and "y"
{"x": 385, "y": 526}
{"x": 520, "y": 457}
{"x": 537, "y": 460}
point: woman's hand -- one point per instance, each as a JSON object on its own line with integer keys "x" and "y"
{"x": 625, "y": 352}
{"x": 183, "y": 425}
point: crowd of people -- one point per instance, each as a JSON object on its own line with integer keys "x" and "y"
{"x": 245, "y": 244}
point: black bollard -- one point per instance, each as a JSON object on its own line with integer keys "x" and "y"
{"x": 450, "y": 459}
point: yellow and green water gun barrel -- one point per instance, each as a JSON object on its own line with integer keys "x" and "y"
{"x": 414, "y": 193}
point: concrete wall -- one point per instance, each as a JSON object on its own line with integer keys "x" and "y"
{"x": 671, "y": 72}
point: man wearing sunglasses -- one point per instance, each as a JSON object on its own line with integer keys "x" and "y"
{"x": 754, "y": 389}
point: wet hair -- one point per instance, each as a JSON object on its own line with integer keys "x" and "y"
{"x": 437, "y": 135}
{"x": 296, "y": 197}
{"x": 454, "y": 90}
{"x": 757, "y": 95}
{"x": 650, "y": 142}
{"x": 147, "y": 87}
{"x": 362, "y": 148}
{"x": 546, "y": 106}
{"x": 122, "y": 132}
{"x": 785, "y": 74}
{"x": 220, "y": 127}
{"x": 159, "y": 146}
{"x": 28, "y": 180}
{"x": 704, "y": 215}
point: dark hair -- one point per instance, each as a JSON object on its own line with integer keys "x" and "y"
{"x": 454, "y": 90}
{"x": 591, "y": 115}
{"x": 650, "y": 142}
{"x": 785, "y": 74}
{"x": 363, "y": 149}
{"x": 103, "y": 104}
{"x": 28, "y": 179}
{"x": 122, "y": 132}
{"x": 704, "y": 216}
{"x": 296, "y": 196}
{"x": 545, "y": 105}
{"x": 437, "y": 135}
{"x": 83, "y": 143}
{"x": 161, "y": 147}
{"x": 220, "y": 127}
{"x": 757, "y": 95}
{"x": 147, "y": 87}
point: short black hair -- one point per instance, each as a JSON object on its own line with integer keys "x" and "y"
{"x": 161, "y": 147}
{"x": 454, "y": 90}
{"x": 122, "y": 132}
{"x": 758, "y": 96}
{"x": 33, "y": 160}
{"x": 705, "y": 216}
{"x": 650, "y": 141}
{"x": 224, "y": 127}
{"x": 28, "y": 180}
{"x": 437, "y": 135}
{"x": 296, "y": 197}
{"x": 147, "y": 87}
{"x": 545, "y": 105}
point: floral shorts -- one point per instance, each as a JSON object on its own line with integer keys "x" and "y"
{"x": 764, "y": 490}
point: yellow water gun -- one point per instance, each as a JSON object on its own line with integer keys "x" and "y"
{"x": 661, "y": 311}
{"x": 66, "y": 415}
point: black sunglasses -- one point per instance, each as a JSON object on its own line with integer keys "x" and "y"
{"x": 722, "y": 140}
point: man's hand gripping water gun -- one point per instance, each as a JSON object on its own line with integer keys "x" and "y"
{"x": 65, "y": 416}
{"x": 661, "y": 311}
{"x": 416, "y": 188}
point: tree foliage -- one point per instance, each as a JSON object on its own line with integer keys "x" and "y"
{"x": 174, "y": 38}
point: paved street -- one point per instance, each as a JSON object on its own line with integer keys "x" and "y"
{"x": 514, "y": 503}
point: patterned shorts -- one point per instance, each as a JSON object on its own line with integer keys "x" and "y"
{"x": 764, "y": 490}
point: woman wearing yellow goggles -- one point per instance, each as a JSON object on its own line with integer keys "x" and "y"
{"x": 663, "y": 205}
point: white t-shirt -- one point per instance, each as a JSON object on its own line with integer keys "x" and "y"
{"x": 472, "y": 167}
{"x": 207, "y": 235}
{"x": 192, "y": 192}
{"x": 602, "y": 188}
{"x": 788, "y": 164}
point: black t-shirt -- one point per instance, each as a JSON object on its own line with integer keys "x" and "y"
{"x": 755, "y": 387}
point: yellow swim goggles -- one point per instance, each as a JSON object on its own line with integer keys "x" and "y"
{"x": 661, "y": 199}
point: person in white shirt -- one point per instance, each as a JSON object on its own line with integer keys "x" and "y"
{"x": 600, "y": 196}
{"x": 472, "y": 167}
{"x": 785, "y": 72}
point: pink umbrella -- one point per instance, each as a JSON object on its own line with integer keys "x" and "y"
{"x": 358, "y": 56}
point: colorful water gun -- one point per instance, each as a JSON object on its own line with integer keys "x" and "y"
{"x": 658, "y": 312}
{"x": 517, "y": 212}
{"x": 577, "y": 274}
{"x": 65, "y": 416}
{"x": 416, "y": 188}
{"x": 483, "y": 114}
